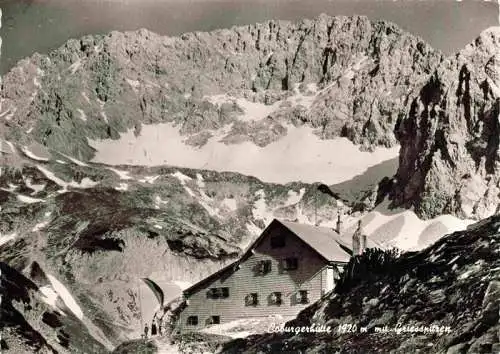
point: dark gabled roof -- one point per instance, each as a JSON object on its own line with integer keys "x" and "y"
{"x": 327, "y": 243}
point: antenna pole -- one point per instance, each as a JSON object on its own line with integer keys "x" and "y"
{"x": 316, "y": 207}
{"x": 140, "y": 307}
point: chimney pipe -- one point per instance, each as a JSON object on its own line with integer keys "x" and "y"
{"x": 362, "y": 243}
{"x": 339, "y": 224}
{"x": 356, "y": 240}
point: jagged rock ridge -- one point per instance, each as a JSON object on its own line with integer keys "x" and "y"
{"x": 358, "y": 73}
{"x": 449, "y": 156}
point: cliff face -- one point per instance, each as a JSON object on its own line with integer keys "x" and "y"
{"x": 449, "y": 156}
{"x": 352, "y": 77}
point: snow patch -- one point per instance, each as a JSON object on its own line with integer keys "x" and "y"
{"x": 159, "y": 202}
{"x": 36, "y": 187}
{"x": 29, "y": 200}
{"x": 75, "y": 161}
{"x": 75, "y": 66}
{"x": 11, "y": 146}
{"x": 39, "y": 226}
{"x": 230, "y": 203}
{"x": 36, "y": 82}
{"x": 85, "y": 183}
{"x": 312, "y": 158}
{"x": 255, "y": 111}
{"x": 12, "y": 187}
{"x": 122, "y": 174}
{"x": 6, "y": 238}
{"x": 260, "y": 210}
{"x": 66, "y": 296}
{"x": 122, "y": 187}
{"x": 9, "y": 113}
{"x": 149, "y": 179}
{"x": 32, "y": 156}
{"x": 134, "y": 84}
{"x": 211, "y": 210}
{"x": 82, "y": 114}
{"x": 294, "y": 197}
{"x": 200, "y": 180}
{"x": 181, "y": 177}
{"x": 49, "y": 296}
{"x": 84, "y": 95}
{"x": 403, "y": 229}
{"x": 104, "y": 117}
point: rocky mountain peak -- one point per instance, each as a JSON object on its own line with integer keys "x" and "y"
{"x": 449, "y": 137}
{"x": 356, "y": 74}
{"x": 489, "y": 38}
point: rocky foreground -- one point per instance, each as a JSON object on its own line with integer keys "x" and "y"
{"x": 452, "y": 288}
{"x": 444, "y": 299}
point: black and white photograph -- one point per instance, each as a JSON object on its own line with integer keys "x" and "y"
{"x": 249, "y": 176}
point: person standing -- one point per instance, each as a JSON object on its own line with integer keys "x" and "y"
{"x": 153, "y": 328}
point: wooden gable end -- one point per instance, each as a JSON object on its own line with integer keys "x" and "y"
{"x": 280, "y": 240}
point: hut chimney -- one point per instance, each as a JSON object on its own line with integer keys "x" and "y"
{"x": 339, "y": 224}
{"x": 356, "y": 240}
{"x": 362, "y": 243}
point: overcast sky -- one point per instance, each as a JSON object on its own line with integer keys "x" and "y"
{"x": 40, "y": 25}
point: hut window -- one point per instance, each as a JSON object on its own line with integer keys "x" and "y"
{"x": 218, "y": 293}
{"x": 192, "y": 320}
{"x": 264, "y": 267}
{"x": 276, "y": 298}
{"x": 213, "y": 320}
{"x": 224, "y": 292}
{"x": 252, "y": 299}
{"x": 303, "y": 297}
{"x": 291, "y": 263}
{"x": 212, "y": 293}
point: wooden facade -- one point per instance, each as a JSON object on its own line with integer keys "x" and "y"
{"x": 280, "y": 274}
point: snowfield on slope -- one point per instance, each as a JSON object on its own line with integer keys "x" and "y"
{"x": 299, "y": 156}
{"x": 33, "y": 156}
{"x": 399, "y": 228}
{"x": 403, "y": 229}
{"x": 85, "y": 183}
{"x": 6, "y": 238}
{"x": 66, "y": 296}
{"x": 58, "y": 290}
